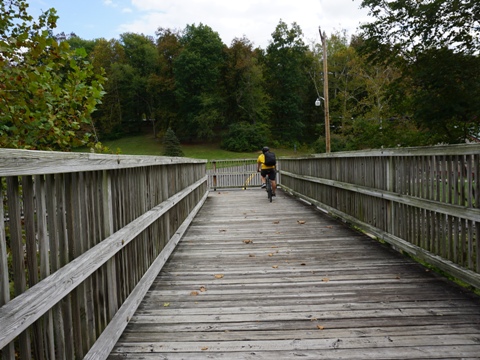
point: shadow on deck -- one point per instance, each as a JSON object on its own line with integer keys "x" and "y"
{"x": 254, "y": 280}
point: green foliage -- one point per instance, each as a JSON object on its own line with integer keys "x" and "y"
{"x": 435, "y": 47}
{"x": 288, "y": 83}
{"x": 47, "y": 90}
{"x": 245, "y": 137}
{"x": 446, "y": 95}
{"x": 199, "y": 84}
{"x": 171, "y": 144}
{"x": 415, "y": 26}
{"x": 245, "y": 84}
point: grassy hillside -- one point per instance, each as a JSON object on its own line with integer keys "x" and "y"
{"x": 147, "y": 145}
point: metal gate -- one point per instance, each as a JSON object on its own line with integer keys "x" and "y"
{"x": 235, "y": 173}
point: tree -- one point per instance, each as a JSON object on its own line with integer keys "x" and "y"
{"x": 109, "y": 57}
{"x": 435, "y": 44}
{"x": 446, "y": 89}
{"x": 47, "y": 90}
{"x": 142, "y": 59}
{"x": 171, "y": 144}
{"x": 404, "y": 26}
{"x": 199, "y": 83}
{"x": 245, "y": 84}
{"x": 161, "y": 85}
{"x": 286, "y": 63}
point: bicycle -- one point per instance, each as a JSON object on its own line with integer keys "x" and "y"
{"x": 269, "y": 187}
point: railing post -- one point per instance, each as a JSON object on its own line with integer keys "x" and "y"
{"x": 390, "y": 187}
{"x": 108, "y": 230}
{"x": 214, "y": 163}
{"x": 8, "y": 351}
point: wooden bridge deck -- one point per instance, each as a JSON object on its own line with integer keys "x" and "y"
{"x": 254, "y": 280}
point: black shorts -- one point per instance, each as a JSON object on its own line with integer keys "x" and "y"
{"x": 271, "y": 173}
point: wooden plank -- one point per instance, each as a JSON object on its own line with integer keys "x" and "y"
{"x": 34, "y": 162}
{"x": 313, "y": 288}
{"x": 8, "y": 352}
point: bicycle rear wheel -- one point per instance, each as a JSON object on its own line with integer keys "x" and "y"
{"x": 269, "y": 187}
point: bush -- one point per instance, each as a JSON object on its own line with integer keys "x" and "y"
{"x": 245, "y": 137}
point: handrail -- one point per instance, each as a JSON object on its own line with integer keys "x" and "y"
{"x": 80, "y": 238}
{"x": 424, "y": 201}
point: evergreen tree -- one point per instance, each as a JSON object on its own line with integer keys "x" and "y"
{"x": 171, "y": 144}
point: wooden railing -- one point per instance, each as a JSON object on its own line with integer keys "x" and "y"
{"x": 82, "y": 237}
{"x": 424, "y": 201}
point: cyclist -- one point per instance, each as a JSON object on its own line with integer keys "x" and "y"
{"x": 265, "y": 169}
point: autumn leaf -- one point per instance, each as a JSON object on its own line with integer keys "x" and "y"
{"x": 275, "y": 266}
{"x": 303, "y": 264}
{"x": 301, "y": 222}
{"x": 320, "y": 327}
{"x": 276, "y": 222}
{"x": 325, "y": 279}
{"x": 222, "y": 230}
{"x": 166, "y": 304}
{"x": 194, "y": 293}
{"x": 204, "y": 348}
{"x": 203, "y": 289}
{"x": 219, "y": 276}
{"x": 270, "y": 254}
{"x": 248, "y": 241}
{"x": 251, "y": 255}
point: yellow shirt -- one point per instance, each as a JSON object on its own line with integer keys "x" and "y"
{"x": 261, "y": 160}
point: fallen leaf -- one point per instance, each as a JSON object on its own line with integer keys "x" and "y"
{"x": 219, "y": 276}
{"x": 251, "y": 255}
{"x": 194, "y": 293}
{"x": 301, "y": 222}
{"x": 330, "y": 227}
{"x": 204, "y": 348}
{"x": 248, "y": 241}
{"x": 320, "y": 327}
{"x": 313, "y": 319}
{"x": 222, "y": 230}
{"x": 166, "y": 304}
{"x": 275, "y": 266}
{"x": 276, "y": 222}
{"x": 270, "y": 254}
{"x": 325, "y": 279}
{"x": 203, "y": 289}
{"x": 303, "y": 264}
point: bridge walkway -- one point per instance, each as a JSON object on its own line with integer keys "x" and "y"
{"x": 282, "y": 280}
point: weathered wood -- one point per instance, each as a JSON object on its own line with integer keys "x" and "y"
{"x": 296, "y": 283}
{"x": 34, "y": 162}
{"x": 111, "y": 334}
{"x": 426, "y": 204}
{"x": 57, "y": 216}
{"x": 8, "y": 352}
{"x": 56, "y": 286}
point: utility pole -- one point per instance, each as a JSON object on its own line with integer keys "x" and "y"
{"x": 323, "y": 37}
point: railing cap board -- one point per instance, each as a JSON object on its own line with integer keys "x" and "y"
{"x": 15, "y": 162}
{"x": 456, "y": 149}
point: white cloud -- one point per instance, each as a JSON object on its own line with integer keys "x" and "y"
{"x": 256, "y": 19}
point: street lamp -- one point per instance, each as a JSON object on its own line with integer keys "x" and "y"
{"x": 317, "y": 102}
